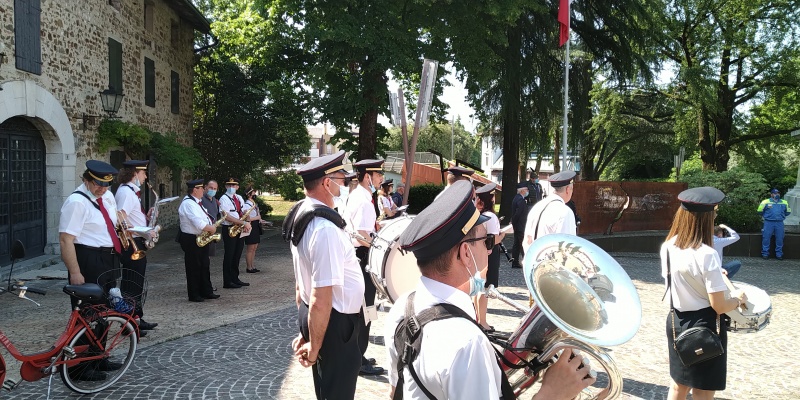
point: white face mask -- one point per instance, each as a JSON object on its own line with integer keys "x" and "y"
{"x": 137, "y": 182}
{"x": 231, "y": 191}
{"x": 476, "y": 281}
{"x": 344, "y": 191}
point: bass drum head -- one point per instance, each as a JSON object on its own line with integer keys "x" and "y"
{"x": 393, "y": 272}
{"x": 758, "y": 313}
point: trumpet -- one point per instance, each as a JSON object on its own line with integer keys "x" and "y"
{"x": 236, "y": 229}
{"x": 125, "y": 237}
{"x": 155, "y": 228}
{"x": 204, "y": 238}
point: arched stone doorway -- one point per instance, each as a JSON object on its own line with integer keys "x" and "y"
{"x": 22, "y": 188}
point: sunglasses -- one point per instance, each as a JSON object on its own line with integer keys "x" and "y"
{"x": 488, "y": 241}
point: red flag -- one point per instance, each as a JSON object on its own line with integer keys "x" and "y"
{"x": 563, "y": 20}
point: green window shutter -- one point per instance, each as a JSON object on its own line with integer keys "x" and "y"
{"x": 149, "y": 82}
{"x": 27, "y": 35}
{"x": 175, "y": 82}
{"x": 115, "y": 65}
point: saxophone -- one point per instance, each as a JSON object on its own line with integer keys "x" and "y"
{"x": 204, "y": 238}
{"x": 235, "y": 230}
{"x": 151, "y": 242}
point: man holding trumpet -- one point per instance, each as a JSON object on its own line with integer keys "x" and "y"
{"x": 134, "y": 263}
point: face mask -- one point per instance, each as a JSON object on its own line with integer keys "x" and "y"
{"x": 371, "y": 188}
{"x": 536, "y": 180}
{"x": 331, "y": 193}
{"x": 777, "y": 197}
{"x": 231, "y": 191}
{"x": 212, "y": 193}
{"x": 476, "y": 282}
{"x": 137, "y": 182}
{"x": 344, "y": 191}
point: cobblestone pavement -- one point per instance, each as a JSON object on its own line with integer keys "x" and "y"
{"x": 241, "y": 347}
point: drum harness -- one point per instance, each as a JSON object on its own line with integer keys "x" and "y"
{"x": 408, "y": 341}
{"x": 294, "y": 227}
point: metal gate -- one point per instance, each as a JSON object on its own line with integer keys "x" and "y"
{"x": 22, "y": 190}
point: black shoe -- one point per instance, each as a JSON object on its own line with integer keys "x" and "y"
{"x": 253, "y": 271}
{"x": 142, "y": 333}
{"x": 196, "y": 299}
{"x": 231, "y": 285}
{"x": 146, "y": 326}
{"x": 370, "y": 361}
{"x": 211, "y": 296}
{"x": 371, "y": 370}
{"x": 765, "y": 257}
{"x": 105, "y": 365}
{"x": 86, "y": 373}
{"x": 240, "y": 283}
{"x": 779, "y": 258}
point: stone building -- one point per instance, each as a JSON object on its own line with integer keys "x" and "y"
{"x": 55, "y": 59}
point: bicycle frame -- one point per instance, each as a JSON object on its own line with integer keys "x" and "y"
{"x": 38, "y": 365}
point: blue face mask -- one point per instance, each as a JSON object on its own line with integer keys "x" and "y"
{"x": 777, "y": 197}
{"x": 536, "y": 180}
{"x": 212, "y": 193}
{"x": 476, "y": 282}
{"x": 371, "y": 188}
{"x": 231, "y": 191}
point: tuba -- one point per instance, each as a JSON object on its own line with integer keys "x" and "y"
{"x": 155, "y": 228}
{"x": 236, "y": 229}
{"x": 125, "y": 237}
{"x": 204, "y": 238}
{"x": 583, "y": 300}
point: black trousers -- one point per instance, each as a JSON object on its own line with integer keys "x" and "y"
{"x": 93, "y": 263}
{"x": 339, "y": 360}
{"x": 197, "y": 265}
{"x": 369, "y": 298}
{"x": 233, "y": 254}
{"x": 133, "y": 273}
{"x": 517, "y": 251}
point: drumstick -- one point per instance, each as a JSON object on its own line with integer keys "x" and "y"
{"x": 732, "y": 288}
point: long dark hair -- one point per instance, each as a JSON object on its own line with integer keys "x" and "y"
{"x": 487, "y": 199}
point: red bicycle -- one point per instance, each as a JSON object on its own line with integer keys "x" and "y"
{"x": 95, "y": 350}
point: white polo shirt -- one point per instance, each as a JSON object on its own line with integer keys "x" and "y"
{"x": 556, "y": 217}
{"x": 226, "y": 204}
{"x": 193, "y": 216}
{"x": 80, "y": 218}
{"x": 128, "y": 200}
{"x": 359, "y": 213}
{"x": 695, "y": 274}
{"x": 456, "y": 360}
{"x": 326, "y": 257}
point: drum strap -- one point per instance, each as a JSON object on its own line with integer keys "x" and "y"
{"x": 294, "y": 226}
{"x": 408, "y": 341}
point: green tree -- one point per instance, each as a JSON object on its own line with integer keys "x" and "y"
{"x": 731, "y": 56}
{"x": 440, "y": 137}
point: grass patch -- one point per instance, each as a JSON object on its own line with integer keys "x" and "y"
{"x": 280, "y": 208}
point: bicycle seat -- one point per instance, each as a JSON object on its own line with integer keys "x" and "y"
{"x": 88, "y": 292}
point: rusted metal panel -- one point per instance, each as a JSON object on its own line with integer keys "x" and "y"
{"x": 608, "y": 207}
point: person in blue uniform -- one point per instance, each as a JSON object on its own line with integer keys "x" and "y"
{"x": 774, "y": 210}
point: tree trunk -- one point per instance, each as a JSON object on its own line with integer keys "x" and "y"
{"x": 368, "y": 123}
{"x": 511, "y": 104}
{"x": 705, "y": 142}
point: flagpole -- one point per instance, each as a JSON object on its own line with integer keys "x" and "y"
{"x": 566, "y": 109}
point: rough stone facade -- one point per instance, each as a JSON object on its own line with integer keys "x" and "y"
{"x": 75, "y": 68}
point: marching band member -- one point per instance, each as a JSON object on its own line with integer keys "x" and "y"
{"x": 360, "y": 216}
{"x": 212, "y": 206}
{"x": 90, "y": 245}
{"x": 194, "y": 220}
{"x": 254, "y": 238}
{"x": 484, "y": 201}
{"x": 456, "y": 360}
{"x": 329, "y": 287}
{"x": 232, "y": 204}
{"x": 558, "y": 218}
{"x": 385, "y": 205}
{"x": 128, "y": 198}
{"x": 456, "y": 174}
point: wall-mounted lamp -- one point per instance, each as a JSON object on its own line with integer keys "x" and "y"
{"x": 111, "y": 101}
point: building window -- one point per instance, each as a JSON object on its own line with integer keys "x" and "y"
{"x": 27, "y": 35}
{"x": 148, "y": 15}
{"x": 115, "y": 65}
{"x": 175, "y": 33}
{"x": 175, "y": 99}
{"x": 149, "y": 82}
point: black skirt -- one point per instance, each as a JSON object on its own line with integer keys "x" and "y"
{"x": 493, "y": 271}
{"x": 707, "y": 375}
{"x": 255, "y": 234}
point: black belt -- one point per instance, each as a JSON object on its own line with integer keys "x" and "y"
{"x": 109, "y": 250}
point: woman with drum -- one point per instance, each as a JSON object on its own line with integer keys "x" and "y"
{"x": 698, "y": 293}
{"x": 484, "y": 201}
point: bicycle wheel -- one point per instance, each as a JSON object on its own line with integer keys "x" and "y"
{"x": 117, "y": 343}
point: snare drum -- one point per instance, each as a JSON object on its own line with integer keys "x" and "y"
{"x": 758, "y": 313}
{"x": 393, "y": 272}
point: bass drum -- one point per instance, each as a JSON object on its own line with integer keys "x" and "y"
{"x": 393, "y": 272}
{"x": 758, "y": 313}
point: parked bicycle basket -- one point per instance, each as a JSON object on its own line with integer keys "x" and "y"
{"x": 125, "y": 289}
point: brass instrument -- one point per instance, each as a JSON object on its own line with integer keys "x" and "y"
{"x": 583, "y": 300}
{"x": 125, "y": 237}
{"x": 204, "y": 238}
{"x": 236, "y": 229}
{"x": 155, "y": 228}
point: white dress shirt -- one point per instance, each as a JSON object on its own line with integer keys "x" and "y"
{"x": 193, "y": 216}
{"x": 226, "y": 204}
{"x": 80, "y": 218}
{"x": 385, "y": 202}
{"x": 556, "y": 218}
{"x": 721, "y": 242}
{"x": 128, "y": 200}
{"x": 456, "y": 360}
{"x": 359, "y": 212}
{"x": 695, "y": 274}
{"x": 492, "y": 225}
{"x": 326, "y": 257}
